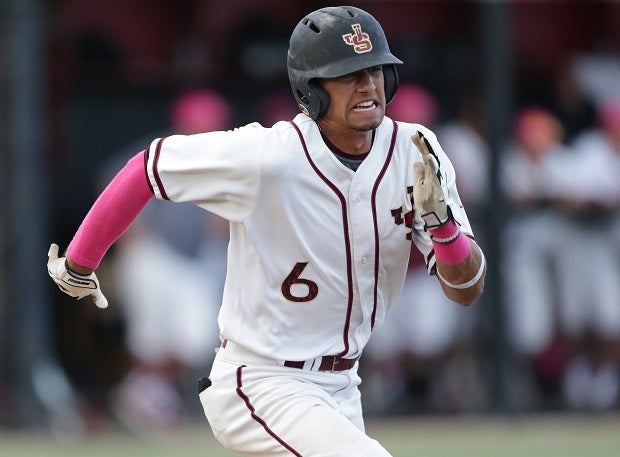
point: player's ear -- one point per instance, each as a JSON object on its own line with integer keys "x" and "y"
{"x": 390, "y": 78}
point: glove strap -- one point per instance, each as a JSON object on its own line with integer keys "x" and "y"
{"x": 432, "y": 221}
{"x": 79, "y": 280}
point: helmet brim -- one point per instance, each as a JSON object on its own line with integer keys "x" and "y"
{"x": 351, "y": 65}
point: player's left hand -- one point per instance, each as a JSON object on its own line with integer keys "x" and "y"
{"x": 73, "y": 284}
{"x": 428, "y": 197}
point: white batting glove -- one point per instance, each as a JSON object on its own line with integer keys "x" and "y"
{"x": 73, "y": 284}
{"x": 428, "y": 197}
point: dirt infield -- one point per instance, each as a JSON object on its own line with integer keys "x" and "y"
{"x": 460, "y": 436}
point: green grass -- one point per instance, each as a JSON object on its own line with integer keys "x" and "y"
{"x": 556, "y": 436}
{"x": 476, "y": 436}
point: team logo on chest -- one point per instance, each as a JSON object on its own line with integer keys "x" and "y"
{"x": 359, "y": 40}
{"x": 400, "y": 217}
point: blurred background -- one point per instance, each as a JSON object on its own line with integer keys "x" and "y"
{"x": 524, "y": 96}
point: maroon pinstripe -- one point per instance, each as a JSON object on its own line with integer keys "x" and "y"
{"x": 374, "y": 219}
{"x": 160, "y": 185}
{"x": 257, "y": 418}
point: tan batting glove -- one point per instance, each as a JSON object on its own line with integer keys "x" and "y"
{"x": 73, "y": 284}
{"x": 428, "y": 197}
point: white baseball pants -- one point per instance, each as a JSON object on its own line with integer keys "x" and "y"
{"x": 257, "y": 407}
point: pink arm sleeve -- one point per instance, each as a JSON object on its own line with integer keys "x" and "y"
{"x": 113, "y": 212}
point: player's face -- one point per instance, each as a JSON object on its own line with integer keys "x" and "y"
{"x": 356, "y": 100}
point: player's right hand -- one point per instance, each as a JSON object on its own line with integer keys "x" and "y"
{"x": 73, "y": 284}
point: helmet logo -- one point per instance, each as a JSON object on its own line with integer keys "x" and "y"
{"x": 359, "y": 40}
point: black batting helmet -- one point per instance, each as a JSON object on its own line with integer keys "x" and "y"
{"x": 332, "y": 42}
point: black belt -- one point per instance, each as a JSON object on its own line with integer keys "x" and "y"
{"x": 328, "y": 363}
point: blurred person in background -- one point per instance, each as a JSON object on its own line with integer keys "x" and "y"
{"x": 534, "y": 175}
{"x": 591, "y": 266}
{"x": 570, "y": 104}
{"x": 166, "y": 284}
{"x": 275, "y": 106}
{"x": 415, "y": 103}
{"x": 465, "y": 140}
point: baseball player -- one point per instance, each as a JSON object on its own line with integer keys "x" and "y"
{"x": 322, "y": 211}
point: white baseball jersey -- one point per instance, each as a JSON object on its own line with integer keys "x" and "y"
{"x": 318, "y": 253}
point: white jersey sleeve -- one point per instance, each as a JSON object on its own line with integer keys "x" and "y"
{"x": 218, "y": 171}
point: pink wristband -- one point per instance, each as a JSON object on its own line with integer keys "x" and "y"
{"x": 113, "y": 212}
{"x": 450, "y": 245}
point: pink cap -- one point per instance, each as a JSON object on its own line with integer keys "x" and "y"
{"x": 199, "y": 111}
{"x": 537, "y": 128}
{"x": 413, "y": 103}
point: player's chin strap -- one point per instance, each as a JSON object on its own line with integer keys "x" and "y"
{"x": 468, "y": 284}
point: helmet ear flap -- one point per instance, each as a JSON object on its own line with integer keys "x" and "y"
{"x": 315, "y": 102}
{"x": 390, "y": 79}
